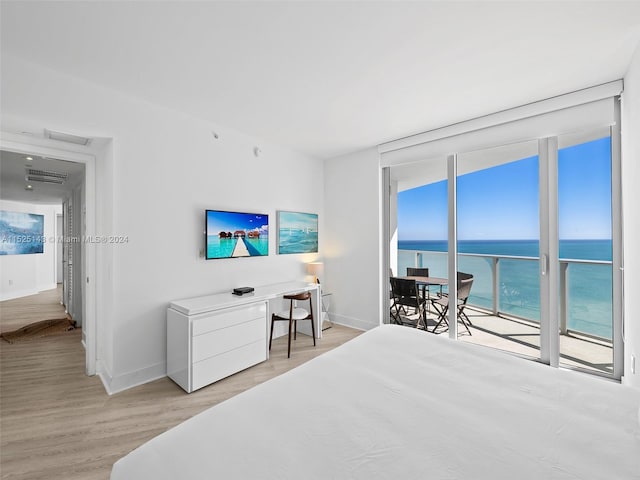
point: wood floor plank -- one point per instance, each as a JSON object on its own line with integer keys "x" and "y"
{"x": 56, "y": 422}
{"x": 22, "y": 311}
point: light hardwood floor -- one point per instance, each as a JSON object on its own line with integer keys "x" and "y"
{"x": 57, "y": 423}
{"x": 23, "y": 311}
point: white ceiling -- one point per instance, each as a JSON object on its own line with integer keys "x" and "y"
{"x": 13, "y": 172}
{"x": 328, "y": 78}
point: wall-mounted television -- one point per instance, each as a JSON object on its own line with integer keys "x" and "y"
{"x": 236, "y": 234}
{"x": 21, "y": 233}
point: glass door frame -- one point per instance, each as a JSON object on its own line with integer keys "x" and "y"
{"x": 549, "y": 252}
{"x": 617, "y": 245}
{"x": 549, "y": 255}
{"x": 549, "y": 247}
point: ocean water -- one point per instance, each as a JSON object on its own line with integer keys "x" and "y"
{"x": 297, "y": 241}
{"x": 223, "y": 247}
{"x": 589, "y": 284}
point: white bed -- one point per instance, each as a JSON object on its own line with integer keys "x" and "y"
{"x": 399, "y": 403}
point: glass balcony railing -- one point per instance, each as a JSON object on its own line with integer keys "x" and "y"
{"x": 509, "y": 286}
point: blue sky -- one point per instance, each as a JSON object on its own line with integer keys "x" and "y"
{"x": 302, "y": 221}
{"x": 502, "y": 202}
{"x": 231, "y": 221}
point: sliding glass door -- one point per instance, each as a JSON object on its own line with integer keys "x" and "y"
{"x": 421, "y": 213}
{"x": 498, "y": 243}
{"x": 419, "y": 226}
{"x": 533, "y": 212}
{"x": 536, "y": 225}
{"x": 586, "y": 320}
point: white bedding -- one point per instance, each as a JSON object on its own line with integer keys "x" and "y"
{"x": 399, "y": 403}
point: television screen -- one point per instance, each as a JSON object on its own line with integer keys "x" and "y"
{"x": 21, "y": 233}
{"x": 236, "y": 234}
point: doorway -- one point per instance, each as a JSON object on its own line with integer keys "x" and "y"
{"x": 86, "y": 272}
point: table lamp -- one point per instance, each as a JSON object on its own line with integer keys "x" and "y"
{"x": 315, "y": 269}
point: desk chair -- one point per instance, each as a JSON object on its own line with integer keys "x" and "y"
{"x": 292, "y": 316}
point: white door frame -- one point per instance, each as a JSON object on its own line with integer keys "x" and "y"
{"x": 50, "y": 148}
{"x": 59, "y": 254}
{"x": 548, "y": 273}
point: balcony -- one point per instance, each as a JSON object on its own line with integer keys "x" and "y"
{"x": 504, "y": 305}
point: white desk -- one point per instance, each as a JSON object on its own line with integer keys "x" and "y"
{"x": 214, "y": 336}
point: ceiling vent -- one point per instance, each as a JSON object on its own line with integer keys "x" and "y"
{"x": 46, "y": 176}
{"x": 65, "y": 137}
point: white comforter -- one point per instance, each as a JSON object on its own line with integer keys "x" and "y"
{"x": 398, "y": 403}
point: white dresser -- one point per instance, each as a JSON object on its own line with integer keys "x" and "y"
{"x": 212, "y": 337}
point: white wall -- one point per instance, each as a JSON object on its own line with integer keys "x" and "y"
{"x": 29, "y": 274}
{"x": 154, "y": 182}
{"x": 353, "y": 238}
{"x": 631, "y": 216}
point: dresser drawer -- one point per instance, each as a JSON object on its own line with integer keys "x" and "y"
{"x": 208, "y": 322}
{"x": 215, "y": 368}
{"x": 226, "y": 339}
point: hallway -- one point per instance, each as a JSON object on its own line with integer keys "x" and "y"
{"x": 23, "y": 311}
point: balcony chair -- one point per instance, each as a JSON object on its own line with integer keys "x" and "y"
{"x": 405, "y": 294}
{"x": 417, "y": 272}
{"x": 421, "y": 272}
{"x": 441, "y": 303}
{"x": 292, "y": 316}
{"x": 391, "y": 301}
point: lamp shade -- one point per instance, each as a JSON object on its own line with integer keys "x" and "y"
{"x": 315, "y": 269}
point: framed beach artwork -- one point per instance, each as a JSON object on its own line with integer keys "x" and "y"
{"x": 297, "y": 232}
{"x": 21, "y": 233}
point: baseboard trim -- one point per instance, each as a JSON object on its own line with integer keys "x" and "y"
{"x": 47, "y": 287}
{"x": 104, "y": 375}
{"x": 116, "y": 384}
{"x": 18, "y": 294}
{"x": 351, "y": 322}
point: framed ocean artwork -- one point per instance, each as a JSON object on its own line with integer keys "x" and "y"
{"x": 21, "y": 233}
{"x": 297, "y": 232}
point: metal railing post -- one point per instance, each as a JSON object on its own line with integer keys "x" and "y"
{"x": 496, "y": 285}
